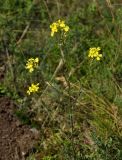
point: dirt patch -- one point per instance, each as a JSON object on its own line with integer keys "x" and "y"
{"x": 16, "y": 139}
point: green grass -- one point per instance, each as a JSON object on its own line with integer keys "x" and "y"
{"x": 79, "y": 109}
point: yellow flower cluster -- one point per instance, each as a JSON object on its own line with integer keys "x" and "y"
{"x": 94, "y": 53}
{"x": 58, "y": 26}
{"x": 32, "y": 64}
{"x": 33, "y": 88}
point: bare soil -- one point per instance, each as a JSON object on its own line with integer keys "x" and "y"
{"x": 16, "y": 139}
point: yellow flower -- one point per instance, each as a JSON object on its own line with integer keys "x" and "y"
{"x": 98, "y": 57}
{"x": 53, "y": 28}
{"x": 62, "y": 24}
{"x": 33, "y": 88}
{"x": 66, "y": 28}
{"x": 58, "y": 26}
{"x": 94, "y": 53}
{"x": 32, "y": 64}
{"x": 36, "y": 60}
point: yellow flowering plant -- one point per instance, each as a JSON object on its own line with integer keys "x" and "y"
{"x": 94, "y": 53}
{"x": 33, "y": 88}
{"x": 32, "y": 63}
{"x": 59, "y": 26}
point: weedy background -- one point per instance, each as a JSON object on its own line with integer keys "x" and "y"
{"x": 78, "y": 112}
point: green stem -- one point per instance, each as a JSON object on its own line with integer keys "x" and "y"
{"x": 70, "y": 104}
